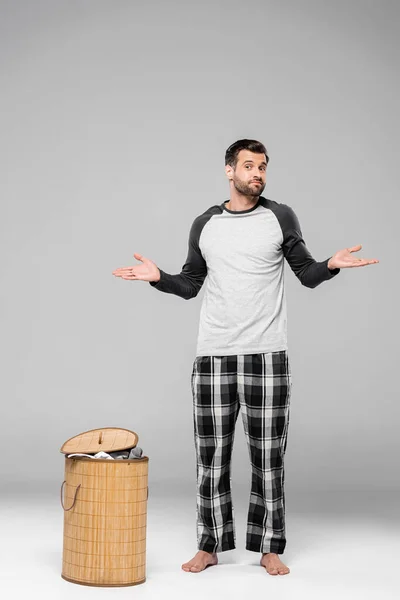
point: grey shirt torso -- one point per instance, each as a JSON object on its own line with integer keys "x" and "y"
{"x": 241, "y": 255}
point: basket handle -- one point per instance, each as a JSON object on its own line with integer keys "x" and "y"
{"x": 76, "y": 492}
{"x": 73, "y": 503}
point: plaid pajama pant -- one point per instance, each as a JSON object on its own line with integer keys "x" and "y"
{"x": 259, "y": 384}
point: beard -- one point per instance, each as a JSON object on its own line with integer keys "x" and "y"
{"x": 248, "y": 189}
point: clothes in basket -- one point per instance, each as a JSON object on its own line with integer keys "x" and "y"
{"x": 131, "y": 453}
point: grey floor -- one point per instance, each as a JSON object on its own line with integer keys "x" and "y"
{"x": 339, "y": 545}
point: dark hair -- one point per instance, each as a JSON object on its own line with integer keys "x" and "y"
{"x": 231, "y": 155}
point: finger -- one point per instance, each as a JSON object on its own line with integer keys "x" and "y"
{"x": 368, "y": 261}
{"x": 354, "y": 259}
{"x": 126, "y": 272}
{"x": 363, "y": 263}
{"x": 354, "y": 248}
{"x": 129, "y": 277}
{"x": 371, "y": 261}
{"x": 138, "y": 256}
{"x": 122, "y": 269}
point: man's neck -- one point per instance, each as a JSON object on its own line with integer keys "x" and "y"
{"x": 242, "y": 202}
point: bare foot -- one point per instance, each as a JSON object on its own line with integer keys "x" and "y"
{"x": 200, "y": 561}
{"x": 273, "y": 564}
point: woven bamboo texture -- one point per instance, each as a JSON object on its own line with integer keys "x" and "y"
{"x": 105, "y": 530}
{"x": 107, "y": 439}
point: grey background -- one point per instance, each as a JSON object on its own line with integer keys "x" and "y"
{"x": 115, "y": 117}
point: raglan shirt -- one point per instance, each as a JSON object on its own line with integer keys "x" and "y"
{"x": 241, "y": 253}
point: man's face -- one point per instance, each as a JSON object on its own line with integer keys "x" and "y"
{"x": 251, "y": 167}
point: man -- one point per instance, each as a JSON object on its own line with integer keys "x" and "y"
{"x": 241, "y": 357}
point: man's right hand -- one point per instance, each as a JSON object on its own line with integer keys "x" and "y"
{"x": 148, "y": 271}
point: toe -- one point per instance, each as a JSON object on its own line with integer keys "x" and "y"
{"x": 284, "y": 571}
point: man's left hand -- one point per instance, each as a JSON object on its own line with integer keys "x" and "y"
{"x": 343, "y": 259}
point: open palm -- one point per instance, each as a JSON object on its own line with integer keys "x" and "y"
{"x": 343, "y": 259}
{"x": 148, "y": 271}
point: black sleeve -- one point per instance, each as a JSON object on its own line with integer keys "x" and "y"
{"x": 310, "y": 272}
{"x": 188, "y": 282}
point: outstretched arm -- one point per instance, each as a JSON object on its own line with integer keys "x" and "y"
{"x": 309, "y": 271}
{"x": 185, "y": 284}
{"x": 188, "y": 282}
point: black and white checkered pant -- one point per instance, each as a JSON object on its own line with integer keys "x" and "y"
{"x": 259, "y": 384}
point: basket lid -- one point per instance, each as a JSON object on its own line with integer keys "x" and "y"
{"x": 106, "y": 439}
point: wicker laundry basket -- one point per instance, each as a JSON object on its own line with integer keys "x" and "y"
{"x": 105, "y": 511}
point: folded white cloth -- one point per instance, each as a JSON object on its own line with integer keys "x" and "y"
{"x": 98, "y": 455}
